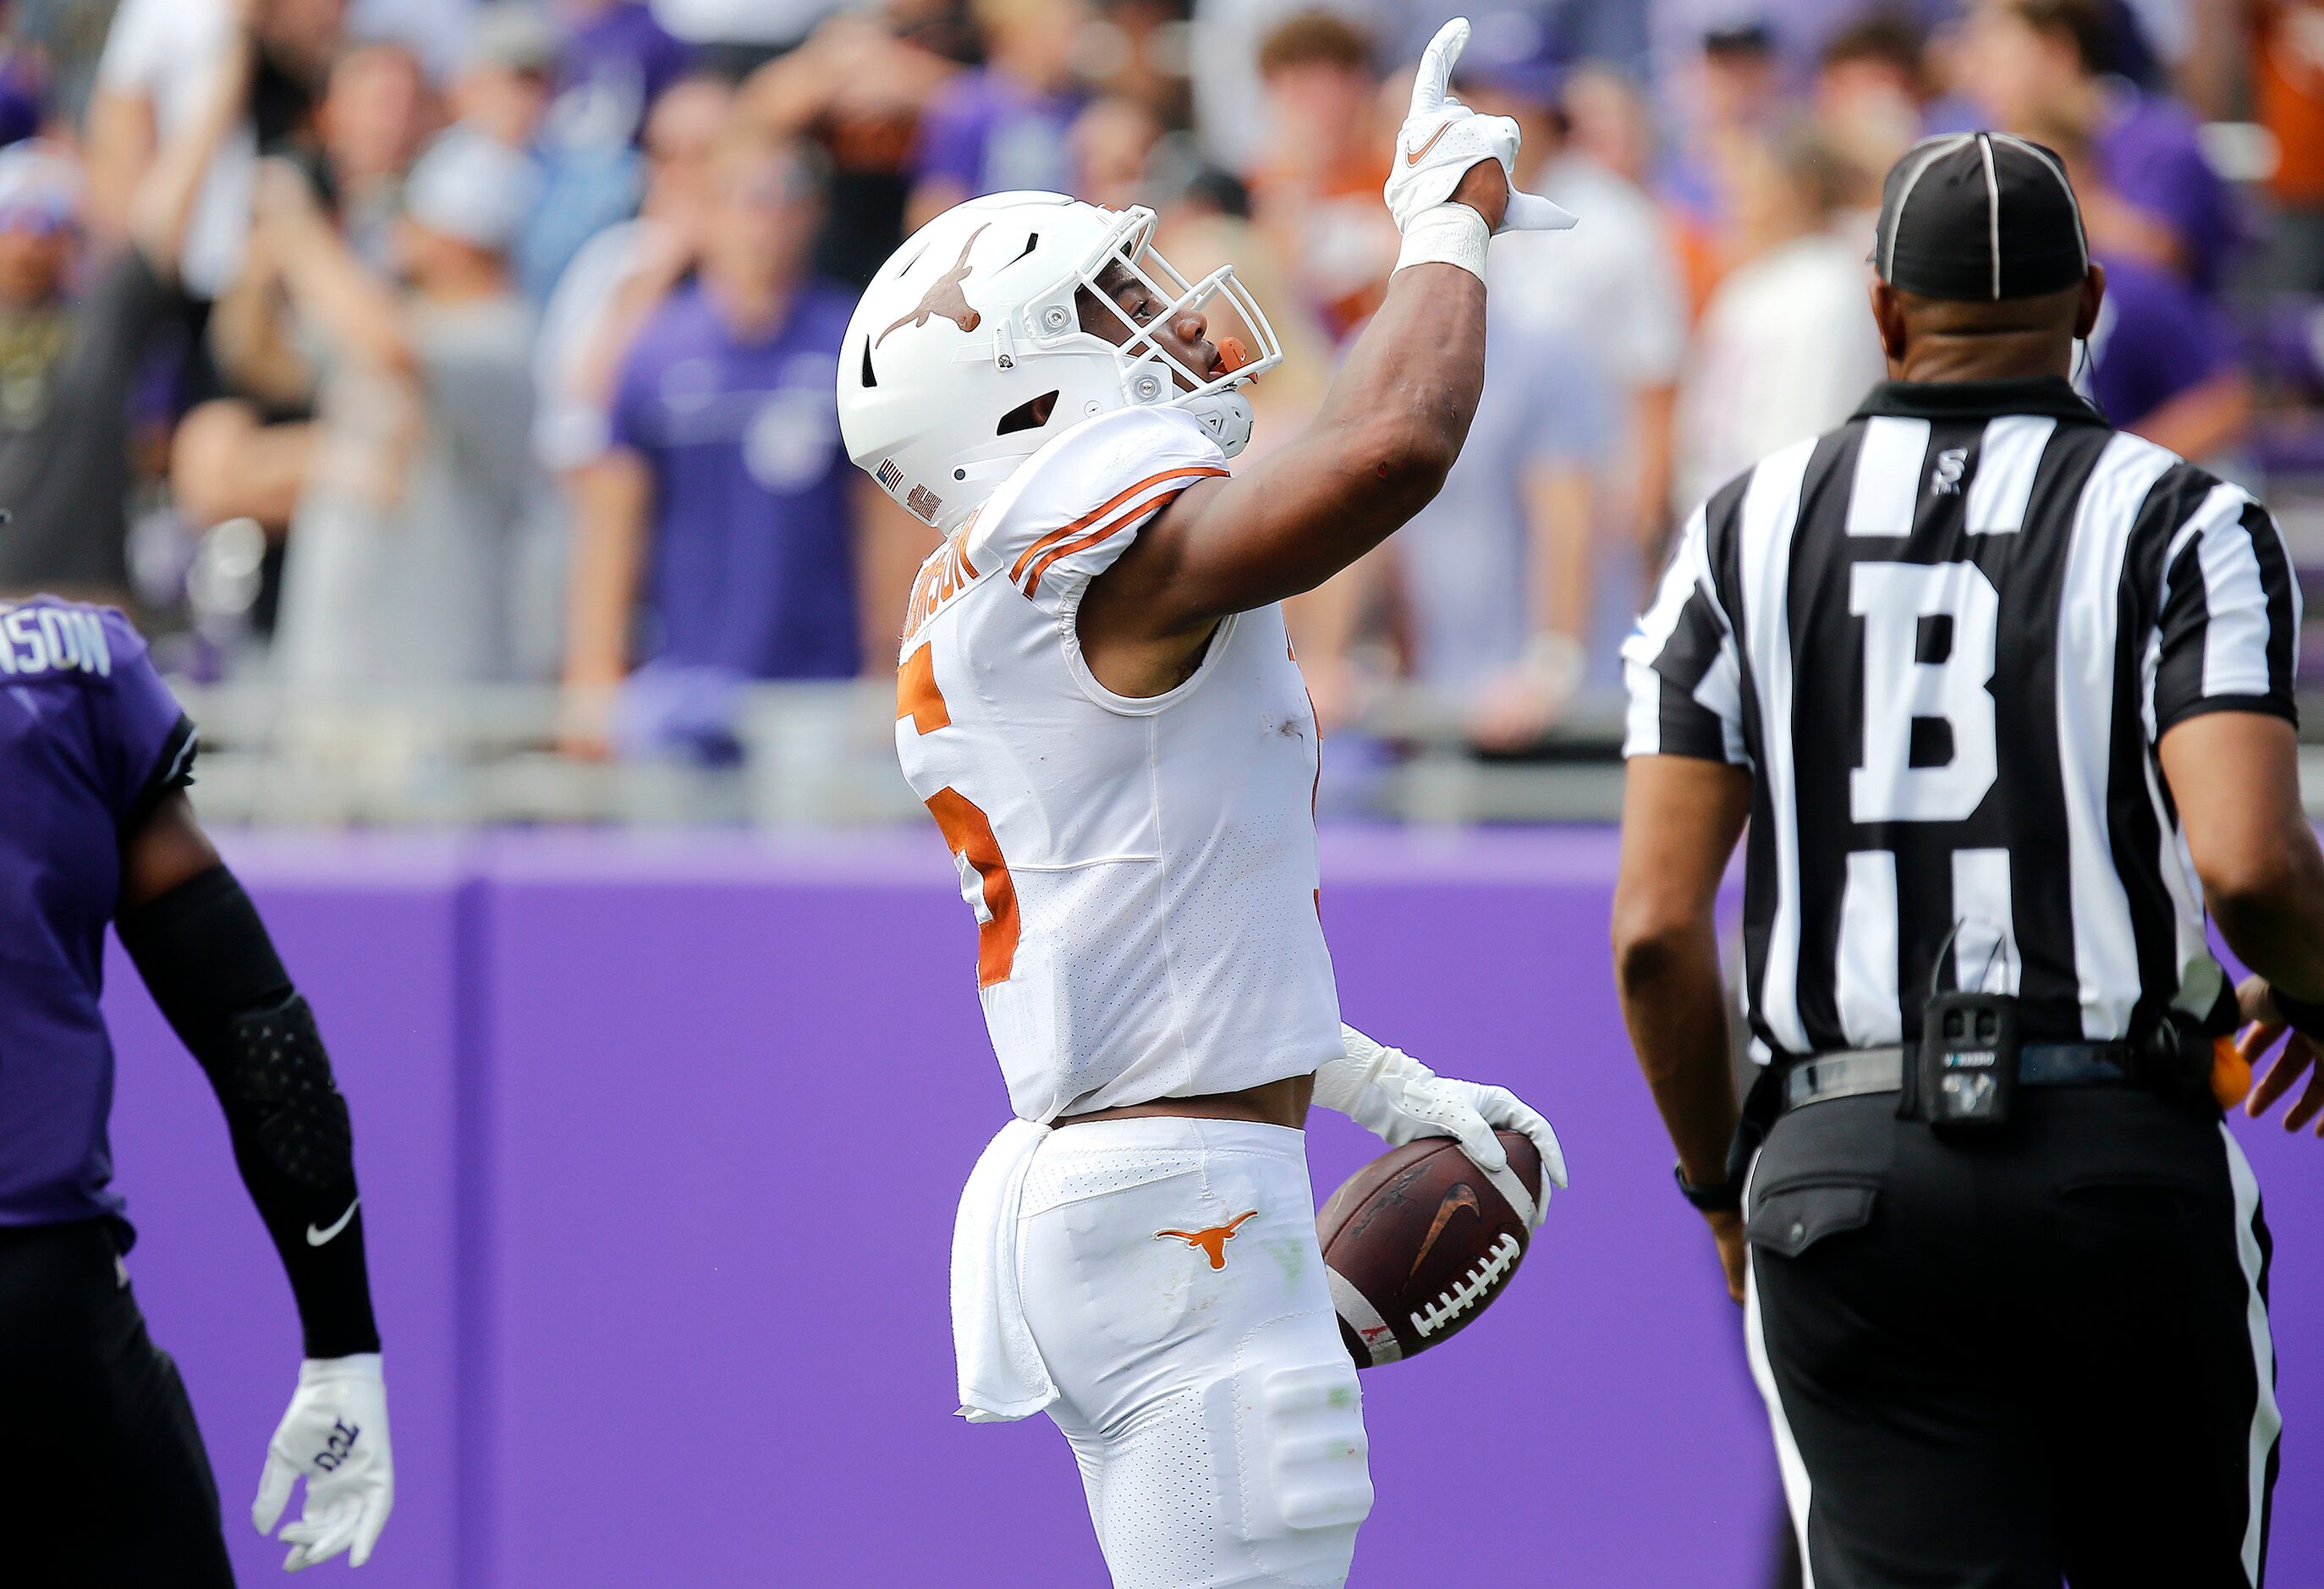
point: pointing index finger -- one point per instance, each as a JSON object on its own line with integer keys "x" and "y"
{"x": 1436, "y": 74}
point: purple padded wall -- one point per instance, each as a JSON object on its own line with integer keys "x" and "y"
{"x": 660, "y": 1141}
{"x": 736, "y": 1097}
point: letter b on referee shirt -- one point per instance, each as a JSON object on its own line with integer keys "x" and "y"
{"x": 1929, "y": 741}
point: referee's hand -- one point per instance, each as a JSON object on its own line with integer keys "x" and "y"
{"x": 1727, "y": 1230}
{"x": 2299, "y": 1058}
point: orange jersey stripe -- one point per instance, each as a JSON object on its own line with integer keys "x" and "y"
{"x": 1114, "y": 526}
{"x": 1192, "y": 472}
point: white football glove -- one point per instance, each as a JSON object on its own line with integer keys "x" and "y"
{"x": 1399, "y": 1099}
{"x": 335, "y": 1434}
{"x": 1442, "y": 138}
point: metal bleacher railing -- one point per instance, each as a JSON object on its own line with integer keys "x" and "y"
{"x": 814, "y": 755}
{"x": 811, "y": 755}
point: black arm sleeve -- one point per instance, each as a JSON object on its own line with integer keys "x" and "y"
{"x": 205, "y": 955}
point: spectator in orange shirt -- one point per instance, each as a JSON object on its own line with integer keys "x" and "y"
{"x": 2288, "y": 71}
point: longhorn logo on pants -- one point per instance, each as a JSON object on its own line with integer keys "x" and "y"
{"x": 1213, "y": 1240}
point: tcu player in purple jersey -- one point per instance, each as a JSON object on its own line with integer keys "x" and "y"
{"x": 103, "y": 1476}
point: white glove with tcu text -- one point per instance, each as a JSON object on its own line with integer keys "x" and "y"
{"x": 1398, "y": 1100}
{"x": 335, "y": 1435}
{"x": 1441, "y": 140}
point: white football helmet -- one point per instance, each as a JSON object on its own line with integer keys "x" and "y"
{"x": 972, "y": 322}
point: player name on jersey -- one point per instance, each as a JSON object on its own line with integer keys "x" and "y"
{"x": 52, "y": 640}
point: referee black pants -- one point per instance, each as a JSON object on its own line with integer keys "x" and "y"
{"x": 104, "y": 1482}
{"x": 1994, "y": 1365}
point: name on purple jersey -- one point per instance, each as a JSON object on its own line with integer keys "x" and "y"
{"x": 52, "y": 640}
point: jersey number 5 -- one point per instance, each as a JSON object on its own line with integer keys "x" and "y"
{"x": 984, "y": 880}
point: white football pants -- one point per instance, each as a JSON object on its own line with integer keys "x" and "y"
{"x": 1173, "y": 1282}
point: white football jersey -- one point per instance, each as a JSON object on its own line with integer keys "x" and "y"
{"x": 1143, "y": 870}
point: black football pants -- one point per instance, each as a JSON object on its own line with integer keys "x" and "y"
{"x": 103, "y": 1484}
{"x": 1999, "y": 1364}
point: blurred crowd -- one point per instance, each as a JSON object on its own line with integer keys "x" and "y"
{"x": 374, "y": 348}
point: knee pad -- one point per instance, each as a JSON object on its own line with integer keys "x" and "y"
{"x": 1305, "y": 1458}
{"x": 278, "y": 1064}
{"x": 1258, "y": 1477}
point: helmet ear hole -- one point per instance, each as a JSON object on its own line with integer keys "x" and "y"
{"x": 1027, "y": 416}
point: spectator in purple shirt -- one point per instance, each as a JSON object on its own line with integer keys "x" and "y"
{"x": 2040, "y": 62}
{"x": 2162, "y": 360}
{"x": 1005, "y": 124}
{"x": 719, "y": 540}
{"x": 2162, "y": 363}
{"x": 615, "y": 64}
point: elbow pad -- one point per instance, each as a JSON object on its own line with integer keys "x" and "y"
{"x": 276, "y": 1066}
{"x": 207, "y": 958}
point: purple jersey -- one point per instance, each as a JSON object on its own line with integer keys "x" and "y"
{"x": 751, "y": 565}
{"x": 89, "y": 737}
{"x": 2156, "y": 338}
{"x": 614, "y": 67}
{"x": 2152, "y": 161}
{"x": 989, "y": 135}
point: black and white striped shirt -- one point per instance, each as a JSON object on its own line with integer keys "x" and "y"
{"x": 1946, "y": 638}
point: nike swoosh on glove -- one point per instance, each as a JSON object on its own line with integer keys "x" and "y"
{"x": 1399, "y": 1100}
{"x": 335, "y": 1435}
{"x": 1442, "y": 138}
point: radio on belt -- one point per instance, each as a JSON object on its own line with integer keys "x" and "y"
{"x": 1970, "y": 1046}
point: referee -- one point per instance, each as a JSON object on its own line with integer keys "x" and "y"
{"x": 2004, "y": 697}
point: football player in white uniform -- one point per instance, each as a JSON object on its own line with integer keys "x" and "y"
{"x": 1098, "y": 701}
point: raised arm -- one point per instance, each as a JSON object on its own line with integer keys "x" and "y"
{"x": 161, "y": 204}
{"x": 1374, "y": 453}
{"x": 1390, "y": 429}
{"x": 356, "y": 311}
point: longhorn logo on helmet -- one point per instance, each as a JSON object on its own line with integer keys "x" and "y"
{"x": 944, "y": 296}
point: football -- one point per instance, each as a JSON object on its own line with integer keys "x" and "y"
{"x": 1418, "y": 1241}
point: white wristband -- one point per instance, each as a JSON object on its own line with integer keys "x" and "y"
{"x": 1448, "y": 234}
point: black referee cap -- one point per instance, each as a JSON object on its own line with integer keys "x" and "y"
{"x": 1982, "y": 216}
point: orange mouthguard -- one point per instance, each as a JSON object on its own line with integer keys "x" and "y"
{"x": 1233, "y": 354}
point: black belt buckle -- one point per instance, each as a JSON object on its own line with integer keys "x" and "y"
{"x": 1970, "y": 1046}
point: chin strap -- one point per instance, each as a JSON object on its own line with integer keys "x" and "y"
{"x": 1226, "y": 416}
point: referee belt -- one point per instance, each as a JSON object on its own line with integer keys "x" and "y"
{"x": 1855, "y": 1072}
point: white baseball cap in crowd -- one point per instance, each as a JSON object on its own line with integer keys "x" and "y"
{"x": 473, "y": 187}
{"x": 40, "y": 186}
